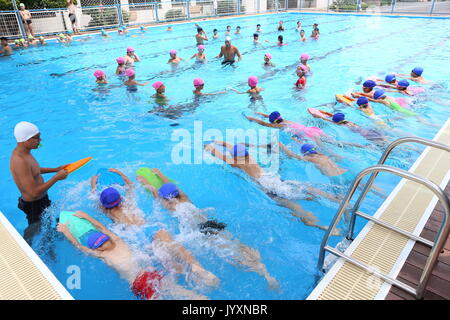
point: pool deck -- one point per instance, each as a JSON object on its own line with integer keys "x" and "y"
{"x": 438, "y": 287}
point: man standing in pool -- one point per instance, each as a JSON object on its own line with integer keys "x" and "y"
{"x": 5, "y": 49}
{"x": 27, "y": 175}
{"x": 228, "y": 51}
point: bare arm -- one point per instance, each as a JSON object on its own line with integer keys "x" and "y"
{"x": 148, "y": 186}
{"x": 94, "y": 183}
{"x": 50, "y": 170}
{"x": 238, "y": 54}
{"x": 65, "y": 230}
{"x": 221, "y": 53}
{"x": 97, "y": 224}
{"x": 216, "y": 153}
{"x": 265, "y": 124}
{"x": 289, "y": 153}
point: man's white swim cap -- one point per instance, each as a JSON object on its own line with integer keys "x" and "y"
{"x": 228, "y": 39}
{"x": 24, "y": 131}
{"x": 21, "y": 5}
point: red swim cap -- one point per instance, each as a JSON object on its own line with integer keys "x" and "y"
{"x": 144, "y": 285}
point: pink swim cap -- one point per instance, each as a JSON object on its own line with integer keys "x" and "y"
{"x": 99, "y": 73}
{"x": 157, "y": 84}
{"x": 173, "y": 51}
{"x": 304, "y": 56}
{"x": 198, "y": 82}
{"x": 268, "y": 55}
{"x": 201, "y": 47}
{"x": 130, "y": 72}
{"x": 120, "y": 60}
{"x": 130, "y": 49}
{"x": 252, "y": 81}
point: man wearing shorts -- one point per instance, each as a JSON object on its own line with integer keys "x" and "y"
{"x": 229, "y": 52}
{"x": 26, "y": 19}
{"x": 27, "y": 175}
{"x": 73, "y": 19}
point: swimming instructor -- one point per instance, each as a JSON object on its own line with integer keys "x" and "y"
{"x": 27, "y": 175}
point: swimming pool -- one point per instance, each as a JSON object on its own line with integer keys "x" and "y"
{"x": 53, "y": 87}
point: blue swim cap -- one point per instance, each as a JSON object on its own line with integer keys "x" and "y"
{"x": 110, "y": 198}
{"x": 308, "y": 148}
{"x": 239, "y": 150}
{"x": 403, "y": 83}
{"x": 96, "y": 239}
{"x": 369, "y": 84}
{"x": 418, "y": 71}
{"x": 362, "y": 100}
{"x": 338, "y": 117}
{"x": 69, "y": 31}
{"x": 168, "y": 191}
{"x": 274, "y": 116}
{"x": 390, "y": 77}
{"x": 378, "y": 94}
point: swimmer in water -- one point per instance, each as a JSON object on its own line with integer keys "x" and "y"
{"x": 62, "y": 38}
{"x": 215, "y": 34}
{"x": 201, "y": 36}
{"x": 145, "y": 284}
{"x": 200, "y": 56}
{"x": 42, "y": 41}
{"x": 368, "y": 90}
{"x": 229, "y": 52}
{"x": 100, "y": 76}
{"x": 238, "y": 30}
{"x": 314, "y": 133}
{"x": 173, "y": 57}
{"x": 298, "y": 28}
{"x": 131, "y": 58}
{"x": 280, "y": 41}
{"x": 258, "y": 28}
{"x": 199, "y": 84}
{"x": 315, "y": 34}
{"x": 6, "y": 50}
{"x": 416, "y": 76}
{"x": 160, "y": 90}
{"x": 104, "y": 33}
{"x": 255, "y": 38}
{"x": 131, "y": 82}
{"x": 174, "y": 200}
{"x": 280, "y": 26}
{"x": 169, "y": 28}
{"x": 32, "y": 40}
{"x": 272, "y": 185}
{"x": 302, "y": 36}
{"x": 253, "y": 84}
{"x": 268, "y": 60}
{"x": 69, "y": 36}
{"x": 120, "y": 70}
{"x": 304, "y": 57}
{"x": 301, "y": 81}
{"x": 227, "y": 33}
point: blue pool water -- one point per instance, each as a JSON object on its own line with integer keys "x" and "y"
{"x": 53, "y": 87}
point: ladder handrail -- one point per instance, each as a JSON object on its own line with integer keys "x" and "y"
{"x": 382, "y": 160}
{"x": 441, "y": 235}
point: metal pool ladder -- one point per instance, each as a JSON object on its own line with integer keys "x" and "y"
{"x": 441, "y": 236}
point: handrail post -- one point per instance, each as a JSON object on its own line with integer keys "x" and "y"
{"x": 188, "y": 4}
{"x": 156, "y": 11}
{"x": 393, "y": 6}
{"x": 432, "y": 7}
{"x": 119, "y": 12}
{"x": 19, "y": 19}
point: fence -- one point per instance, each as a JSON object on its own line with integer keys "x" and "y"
{"x": 136, "y": 12}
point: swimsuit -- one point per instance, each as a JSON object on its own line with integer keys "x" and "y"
{"x": 34, "y": 209}
{"x": 301, "y": 81}
{"x": 227, "y": 62}
{"x": 146, "y": 285}
{"x": 298, "y": 129}
{"x": 72, "y": 17}
{"x": 395, "y": 106}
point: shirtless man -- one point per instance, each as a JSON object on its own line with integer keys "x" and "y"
{"x": 173, "y": 199}
{"x": 145, "y": 284}
{"x": 242, "y": 160}
{"x": 6, "y": 49}
{"x": 201, "y": 36}
{"x": 27, "y": 175}
{"x": 229, "y": 52}
{"x": 26, "y": 19}
{"x": 72, "y": 8}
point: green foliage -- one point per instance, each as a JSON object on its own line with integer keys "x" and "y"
{"x": 6, "y": 5}
{"x": 103, "y": 18}
{"x": 175, "y": 14}
{"x": 347, "y": 5}
{"x": 224, "y": 7}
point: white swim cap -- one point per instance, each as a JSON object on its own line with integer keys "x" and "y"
{"x": 24, "y": 131}
{"x": 21, "y": 5}
{"x": 228, "y": 39}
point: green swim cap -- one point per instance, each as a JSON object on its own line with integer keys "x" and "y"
{"x": 22, "y": 40}
{"x": 17, "y": 41}
{"x": 41, "y": 38}
{"x": 30, "y": 37}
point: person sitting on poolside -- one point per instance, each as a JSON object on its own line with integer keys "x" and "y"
{"x": 199, "y": 84}
{"x": 253, "y": 84}
{"x": 100, "y": 76}
{"x": 267, "y": 60}
{"x": 131, "y": 58}
{"x": 174, "y": 199}
{"x": 173, "y": 57}
{"x": 131, "y": 82}
{"x": 6, "y": 49}
{"x": 200, "y": 55}
{"x": 416, "y": 76}
{"x": 146, "y": 284}
{"x": 277, "y": 189}
{"x": 280, "y": 26}
{"x": 367, "y": 87}
{"x": 201, "y": 36}
{"x": 228, "y": 51}
{"x": 215, "y": 34}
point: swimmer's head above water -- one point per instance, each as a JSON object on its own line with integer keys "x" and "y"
{"x": 130, "y": 73}
{"x": 159, "y": 87}
{"x": 110, "y": 198}
{"x": 199, "y": 83}
{"x": 402, "y": 85}
{"x": 168, "y": 191}
{"x": 308, "y": 149}
{"x": 379, "y": 94}
{"x": 338, "y": 117}
{"x": 390, "y": 78}
{"x": 173, "y": 53}
{"x": 362, "y": 102}
{"x": 252, "y": 81}
{"x": 120, "y": 61}
{"x": 275, "y": 117}
{"x": 98, "y": 241}
{"x": 99, "y": 74}
{"x": 201, "y": 48}
{"x": 228, "y": 41}
{"x": 416, "y": 72}
{"x": 304, "y": 57}
{"x": 368, "y": 85}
